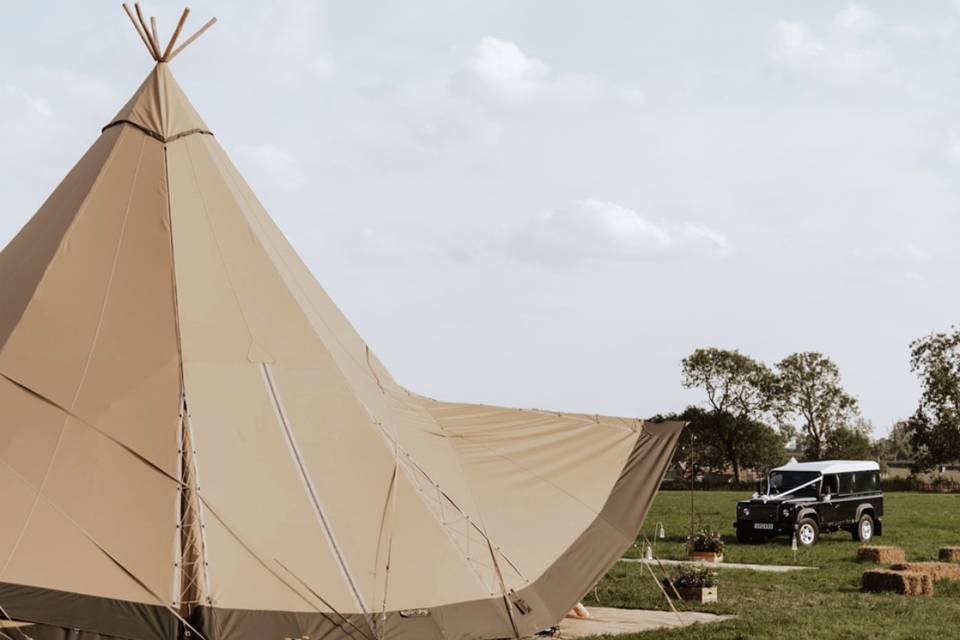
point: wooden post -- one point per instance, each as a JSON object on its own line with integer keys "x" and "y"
{"x": 136, "y": 26}
{"x": 143, "y": 23}
{"x": 156, "y": 35}
{"x": 192, "y": 38}
{"x": 176, "y": 34}
{"x": 663, "y": 591}
{"x": 692, "y": 510}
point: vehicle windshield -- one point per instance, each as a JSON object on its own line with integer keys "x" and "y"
{"x": 783, "y": 481}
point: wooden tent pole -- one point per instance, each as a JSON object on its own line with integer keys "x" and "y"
{"x": 176, "y": 34}
{"x": 192, "y": 38}
{"x": 156, "y": 35}
{"x": 143, "y": 23}
{"x": 136, "y": 25}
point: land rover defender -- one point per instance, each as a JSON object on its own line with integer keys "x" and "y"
{"x": 805, "y": 499}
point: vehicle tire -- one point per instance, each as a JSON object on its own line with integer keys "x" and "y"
{"x": 864, "y": 529}
{"x": 807, "y": 532}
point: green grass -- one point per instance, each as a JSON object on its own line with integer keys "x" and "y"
{"x": 821, "y": 603}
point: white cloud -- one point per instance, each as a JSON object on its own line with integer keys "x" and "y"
{"x": 698, "y": 233}
{"x": 841, "y": 53}
{"x": 280, "y": 166}
{"x": 505, "y": 70}
{"x": 501, "y": 72}
{"x": 597, "y": 230}
{"x": 852, "y": 22}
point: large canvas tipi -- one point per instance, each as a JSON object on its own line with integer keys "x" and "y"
{"x": 195, "y": 442}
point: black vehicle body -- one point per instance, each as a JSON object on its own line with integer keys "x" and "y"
{"x": 832, "y": 495}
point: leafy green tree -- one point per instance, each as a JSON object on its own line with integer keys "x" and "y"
{"x": 849, "y": 443}
{"x": 739, "y": 391}
{"x": 810, "y": 391}
{"x": 897, "y": 446}
{"x": 699, "y": 449}
{"x": 694, "y": 454}
{"x": 935, "y": 426}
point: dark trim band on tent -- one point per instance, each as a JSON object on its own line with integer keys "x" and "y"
{"x": 119, "y": 618}
{"x": 154, "y": 134}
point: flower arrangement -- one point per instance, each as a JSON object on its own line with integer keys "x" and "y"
{"x": 689, "y": 576}
{"x": 706, "y": 539}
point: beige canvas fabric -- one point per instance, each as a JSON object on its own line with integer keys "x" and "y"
{"x": 191, "y": 432}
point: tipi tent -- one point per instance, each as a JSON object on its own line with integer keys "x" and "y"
{"x": 195, "y": 442}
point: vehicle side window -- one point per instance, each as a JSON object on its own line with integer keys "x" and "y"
{"x": 871, "y": 481}
{"x": 830, "y": 484}
{"x": 846, "y": 483}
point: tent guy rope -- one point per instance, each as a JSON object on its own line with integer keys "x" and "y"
{"x": 151, "y": 35}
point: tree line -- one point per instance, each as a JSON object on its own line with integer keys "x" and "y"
{"x": 752, "y": 411}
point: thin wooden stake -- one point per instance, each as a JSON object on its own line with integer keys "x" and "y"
{"x": 156, "y": 35}
{"x": 664, "y": 571}
{"x": 176, "y": 34}
{"x": 143, "y": 23}
{"x": 192, "y": 38}
{"x": 136, "y": 25}
{"x": 663, "y": 591}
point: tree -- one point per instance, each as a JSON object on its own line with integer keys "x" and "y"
{"x": 694, "y": 454}
{"x": 897, "y": 446}
{"x": 935, "y": 426}
{"x": 849, "y": 443}
{"x": 810, "y": 390}
{"x": 699, "y": 448}
{"x": 739, "y": 391}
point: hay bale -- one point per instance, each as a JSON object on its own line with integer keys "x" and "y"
{"x": 908, "y": 583}
{"x": 880, "y": 554}
{"x": 949, "y": 554}
{"x": 936, "y": 570}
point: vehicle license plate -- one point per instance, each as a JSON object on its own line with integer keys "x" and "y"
{"x": 763, "y": 525}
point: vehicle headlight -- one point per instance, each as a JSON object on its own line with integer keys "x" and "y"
{"x": 746, "y": 511}
{"x": 785, "y": 512}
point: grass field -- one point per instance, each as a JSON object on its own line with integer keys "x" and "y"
{"x": 823, "y": 603}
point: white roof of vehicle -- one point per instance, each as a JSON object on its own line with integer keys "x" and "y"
{"x": 831, "y": 466}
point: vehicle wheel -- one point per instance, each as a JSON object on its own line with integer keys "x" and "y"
{"x": 807, "y": 532}
{"x": 864, "y": 530}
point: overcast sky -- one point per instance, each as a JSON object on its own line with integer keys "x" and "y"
{"x": 550, "y": 204}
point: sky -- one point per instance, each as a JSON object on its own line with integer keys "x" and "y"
{"x": 550, "y": 204}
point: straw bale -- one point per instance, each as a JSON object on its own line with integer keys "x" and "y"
{"x": 908, "y": 583}
{"x": 936, "y": 570}
{"x": 880, "y": 554}
{"x": 949, "y": 554}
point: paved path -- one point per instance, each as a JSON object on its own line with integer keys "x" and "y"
{"x": 772, "y": 568}
{"x": 604, "y": 621}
